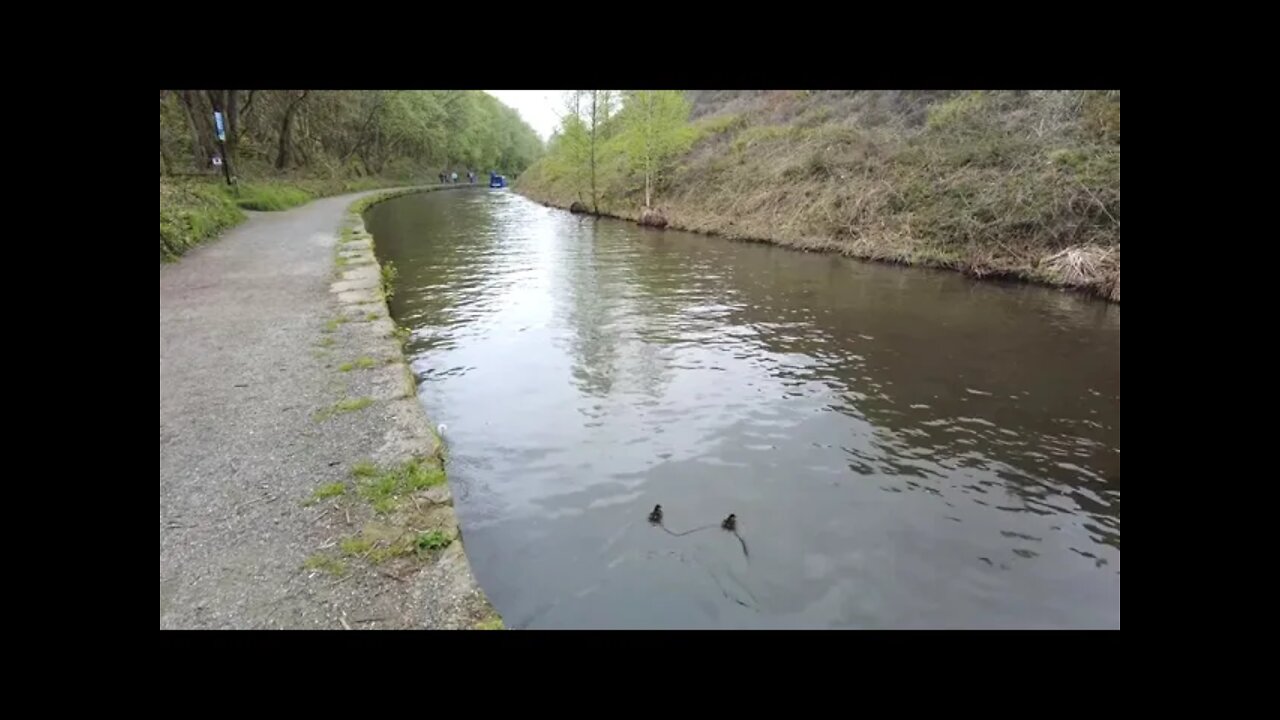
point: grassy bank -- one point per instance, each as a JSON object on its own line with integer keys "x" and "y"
{"x": 195, "y": 210}
{"x": 994, "y": 184}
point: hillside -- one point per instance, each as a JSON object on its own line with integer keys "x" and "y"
{"x": 994, "y": 184}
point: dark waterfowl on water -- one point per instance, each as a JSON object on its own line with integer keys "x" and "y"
{"x": 656, "y": 516}
{"x": 730, "y": 523}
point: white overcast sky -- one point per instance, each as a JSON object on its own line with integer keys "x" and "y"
{"x": 539, "y": 108}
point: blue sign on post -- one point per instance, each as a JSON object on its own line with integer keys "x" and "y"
{"x": 217, "y": 120}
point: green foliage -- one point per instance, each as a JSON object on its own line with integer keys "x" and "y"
{"x": 383, "y": 487}
{"x": 1015, "y": 183}
{"x": 193, "y": 210}
{"x": 432, "y": 540}
{"x": 654, "y": 129}
{"x": 620, "y": 149}
{"x": 191, "y": 213}
{"x": 404, "y": 134}
{"x": 330, "y": 490}
{"x": 388, "y": 278}
{"x": 269, "y": 196}
{"x": 287, "y": 147}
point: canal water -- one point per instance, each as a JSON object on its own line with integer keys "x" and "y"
{"x": 902, "y": 448}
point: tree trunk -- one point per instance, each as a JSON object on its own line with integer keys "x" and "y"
{"x": 166, "y": 168}
{"x": 224, "y": 101}
{"x": 246, "y": 117}
{"x": 286, "y": 141}
{"x": 648, "y": 147}
{"x": 594, "y": 207}
{"x": 362, "y": 137}
{"x": 164, "y": 158}
{"x": 233, "y": 128}
{"x": 202, "y": 140}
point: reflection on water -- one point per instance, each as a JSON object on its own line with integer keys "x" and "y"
{"x": 902, "y": 447}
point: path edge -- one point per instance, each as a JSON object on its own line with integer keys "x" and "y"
{"x": 352, "y": 223}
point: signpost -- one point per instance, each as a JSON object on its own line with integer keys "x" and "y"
{"x": 222, "y": 140}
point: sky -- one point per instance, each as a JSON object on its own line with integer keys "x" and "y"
{"x": 539, "y": 108}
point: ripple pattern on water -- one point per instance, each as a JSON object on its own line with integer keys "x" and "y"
{"x": 903, "y": 448}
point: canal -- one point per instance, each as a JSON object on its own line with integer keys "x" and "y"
{"x": 903, "y": 448}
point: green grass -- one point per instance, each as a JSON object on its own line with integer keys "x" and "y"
{"x": 410, "y": 383}
{"x": 324, "y": 492}
{"x": 195, "y": 210}
{"x": 352, "y": 404}
{"x": 325, "y": 342}
{"x": 432, "y": 540}
{"x": 399, "y": 532}
{"x": 377, "y": 547}
{"x": 389, "y": 274}
{"x": 400, "y": 548}
{"x": 191, "y": 213}
{"x": 344, "y": 406}
{"x": 991, "y": 183}
{"x": 371, "y": 316}
{"x": 269, "y": 196}
{"x": 356, "y": 545}
{"x": 363, "y": 363}
{"x": 330, "y": 490}
{"x": 333, "y": 323}
{"x": 493, "y": 623}
{"x": 325, "y": 563}
{"x": 384, "y": 487}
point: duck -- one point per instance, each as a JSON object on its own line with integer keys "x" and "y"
{"x": 730, "y": 523}
{"x": 656, "y": 516}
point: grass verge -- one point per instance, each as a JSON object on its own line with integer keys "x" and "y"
{"x": 194, "y": 210}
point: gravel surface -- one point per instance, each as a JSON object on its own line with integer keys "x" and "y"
{"x": 249, "y": 375}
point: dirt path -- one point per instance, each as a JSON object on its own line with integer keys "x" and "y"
{"x": 249, "y": 363}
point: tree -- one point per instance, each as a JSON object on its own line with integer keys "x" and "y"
{"x": 573, "y": 144}
{"x": 286, "y": 142}
{"x": 401, "y": 134}
{"x": 601, "y": 105}
{"x": 655, "y": 129}
{"x": 200, "y": 123}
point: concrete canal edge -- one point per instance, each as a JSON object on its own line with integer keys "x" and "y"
{"x": 446, "y": 587}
